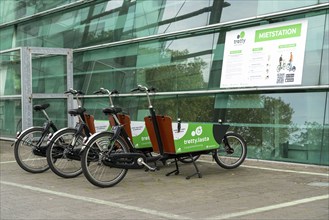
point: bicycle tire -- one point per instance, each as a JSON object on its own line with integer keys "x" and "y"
{"x": 62, "y": 157}
{"x": 94, "y": 169}
{"x": 28, "y": 156}
{"x": 231, "y": 160}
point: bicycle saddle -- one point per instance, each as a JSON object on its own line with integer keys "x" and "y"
{"x": 77, "y": 111}
{"x": 112, "y": 110}
{"x": 41, "y": 107}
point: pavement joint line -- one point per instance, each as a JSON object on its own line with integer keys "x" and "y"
{"x": 274, "y": 169}
{"x": 97, "y": 201}
{"x": 14, "y": 161}
{"x": 270, "y": 207}
{"x": 5, "y": 162}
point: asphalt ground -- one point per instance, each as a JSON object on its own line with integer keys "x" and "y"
{"x": 255, "y": 190}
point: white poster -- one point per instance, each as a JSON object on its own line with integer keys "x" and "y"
{"x": 268, "y": 55}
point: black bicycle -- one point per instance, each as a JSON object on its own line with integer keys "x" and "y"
{"x": 30, "y": 146}
{"x": 108, "y": 155}
{"x": 65, "y": 145}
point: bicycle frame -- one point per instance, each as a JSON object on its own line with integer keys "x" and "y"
{"x": 80, "y": 127}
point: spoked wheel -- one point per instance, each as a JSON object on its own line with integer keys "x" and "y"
{"x": 30, "y": 150}
{"x": 64, "y": 151}
{"x": 188, "y": 159}
{"x": 94, "y": 161}
{"x": 232, "y": 152}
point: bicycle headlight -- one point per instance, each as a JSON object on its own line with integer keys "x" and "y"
{"x": 18, "y": 133}
{"x": 85, "y": 140}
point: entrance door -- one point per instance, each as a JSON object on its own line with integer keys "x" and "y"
{"x": 46, "y": 73}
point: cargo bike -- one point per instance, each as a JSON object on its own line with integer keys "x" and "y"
{"x": 108, "y": 155}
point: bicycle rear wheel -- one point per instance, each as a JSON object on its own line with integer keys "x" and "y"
{"x": 63, "y": 154}
{"x": 30, "y": 150}
{"x": 232, "y": 152}
{"x": 93, "y": 161}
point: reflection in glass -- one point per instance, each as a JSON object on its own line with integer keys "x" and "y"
{"x": 287, "y": 127}
{"x": 10, "y": 76}
{"x": 10, "y": 117}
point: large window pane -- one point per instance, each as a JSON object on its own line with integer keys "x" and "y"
{"x": 265, "y": 7}
{"x": 49, "y": 74}
{"x": 171, "y": 65}
{"x": 314, "y": 50}
{"x": 11, "y": 10}
{"x": 324, "y": 80}
{"x": 10, "y": 73}
{"x": 10, "y": 117}
{"x": 6, "y": 36}
{"x": 283, "y": 126}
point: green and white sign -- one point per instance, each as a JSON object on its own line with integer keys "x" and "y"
{"x": 194, "y": 137}
{"x": 141, "y": 138}
{"x": 139, "y": 133}
{"x": 101, "y": 125}
{"x": 268, "y": 55}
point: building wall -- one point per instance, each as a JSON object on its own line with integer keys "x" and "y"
{"x": 177, "y": 47}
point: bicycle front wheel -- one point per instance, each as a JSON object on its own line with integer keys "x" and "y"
{"x": 30, "y": 150}
{"x": 232, "y": 152}
{"x": 93, "y": 161}
{"x": 63, "y": 154}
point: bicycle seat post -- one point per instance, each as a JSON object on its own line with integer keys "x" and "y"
{"x": 148, "y": 97}
{"x": 46, "y": 115}
{"x": 78, "y": 100}
{"x": 110, "y": 98}
{"x": 103, "y": 91}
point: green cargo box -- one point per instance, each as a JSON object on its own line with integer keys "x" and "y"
{"x": 191, "y": 137}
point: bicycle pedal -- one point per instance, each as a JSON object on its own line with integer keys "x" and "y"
{"x": 140, "y": 161}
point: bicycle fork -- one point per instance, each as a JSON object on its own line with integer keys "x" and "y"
{"x": 227, "y": 146}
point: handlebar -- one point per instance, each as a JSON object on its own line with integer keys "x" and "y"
{"x": 141, "y": 88}
{"x": 76, "y": 93}
{"x": 106, "y": 91}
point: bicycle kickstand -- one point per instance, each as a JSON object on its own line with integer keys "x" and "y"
{"x": 196, "y": 168}
{"x": 176, "y": 171}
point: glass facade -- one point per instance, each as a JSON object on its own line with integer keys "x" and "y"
{"x": 177, "y": 47}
